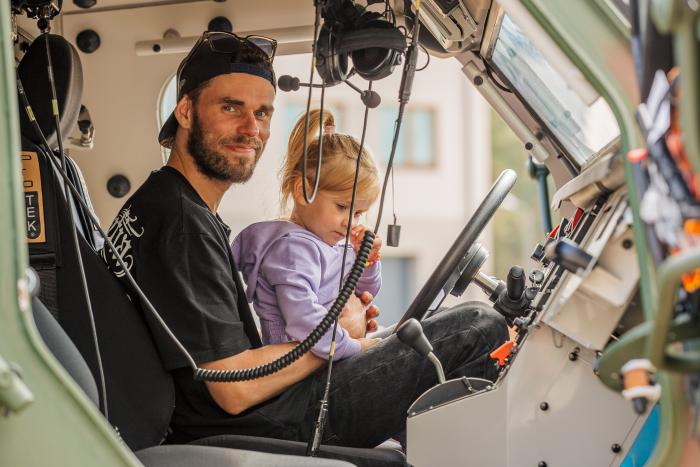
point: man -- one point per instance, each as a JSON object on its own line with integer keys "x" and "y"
{"x": 176, "y": 246}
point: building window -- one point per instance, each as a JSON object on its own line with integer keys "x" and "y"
{"x": 397, "y": 289}
{"x": 416, "y": 146}
{"x": 293, "y": 110}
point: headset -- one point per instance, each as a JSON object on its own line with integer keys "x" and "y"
{"x": 373, "y": 43}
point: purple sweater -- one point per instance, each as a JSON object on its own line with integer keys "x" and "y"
{"x": 292, "y": 278}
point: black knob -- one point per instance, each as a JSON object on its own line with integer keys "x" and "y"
{"x": 118, "y": 186}
{"x": 538, "y": 252}
{"x": 569, "y": 255}
{"x": 220, "y": 23}
{"x": 88, "y": 41}
{"x": 515, "y": 282}
{"x": 536, "y": 277}
{"x": 411, "y": 334}
{"x": 85, "y": 3}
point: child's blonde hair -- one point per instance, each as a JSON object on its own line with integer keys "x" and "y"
{"x": 337, "y": 165}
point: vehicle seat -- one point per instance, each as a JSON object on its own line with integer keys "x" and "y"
{"x": 67, "y": 354}
{"x": 140, "y": 393}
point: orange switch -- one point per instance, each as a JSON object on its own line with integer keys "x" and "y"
{"x": 503, "y": 352}
{"x": 637, "y": 155}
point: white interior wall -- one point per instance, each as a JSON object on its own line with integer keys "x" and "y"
{"x": 122, "y": 89}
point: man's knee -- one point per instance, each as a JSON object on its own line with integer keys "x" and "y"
{"x": 474, "y": 315}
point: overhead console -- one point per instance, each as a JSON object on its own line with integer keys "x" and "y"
{"x": 452, "y": 26}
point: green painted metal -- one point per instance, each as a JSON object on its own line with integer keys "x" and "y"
{"x": 60, "y": 427}
{"x": 15, "y": 396}
{"x": 669, "y": 275}
{"x": 673, "y": 429}
{"x": 589, "y": 42}
{"x": 633, "y": 345}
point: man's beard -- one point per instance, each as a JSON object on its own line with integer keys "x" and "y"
{"x": 216, "y": 165}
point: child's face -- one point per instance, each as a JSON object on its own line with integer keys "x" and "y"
{"x": 327, "y": 216}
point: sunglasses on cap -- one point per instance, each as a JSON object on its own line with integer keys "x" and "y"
{"x": 229, "y": 43}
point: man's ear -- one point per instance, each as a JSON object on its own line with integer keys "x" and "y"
{"x": 184, "y": 111}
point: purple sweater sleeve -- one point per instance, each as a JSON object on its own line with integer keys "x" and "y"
{"x": 370, "y": 280}
{"x": 292, "y": 267}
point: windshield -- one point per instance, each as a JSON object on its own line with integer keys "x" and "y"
{"x": 582, "y": 129}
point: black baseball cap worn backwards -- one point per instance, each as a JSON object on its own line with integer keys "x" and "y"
{"x": 219, "y": 53}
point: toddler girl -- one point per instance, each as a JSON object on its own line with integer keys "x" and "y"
{"x": 292, "y": 266}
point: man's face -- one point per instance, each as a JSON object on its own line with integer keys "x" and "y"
{"x": 230, "y": 126}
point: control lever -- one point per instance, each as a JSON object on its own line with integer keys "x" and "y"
{"x": 411, "y": 334}
{"x": 515, "y": 283}
{"x": 515, "y": 299}
{"x": 569, "y": 255}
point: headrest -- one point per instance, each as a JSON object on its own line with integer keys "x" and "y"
{"x": 68, "y": 74}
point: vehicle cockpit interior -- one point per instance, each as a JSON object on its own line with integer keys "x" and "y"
{"x": 601, "y": 366}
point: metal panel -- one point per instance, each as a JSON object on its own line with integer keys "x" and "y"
{"x": 507, "y": 427}
{"x": 587, "y": 307}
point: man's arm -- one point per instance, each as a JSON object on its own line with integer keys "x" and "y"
{"x": 235, "y": 398}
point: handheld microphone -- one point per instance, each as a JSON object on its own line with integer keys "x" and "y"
{"x": 290, "y": 83}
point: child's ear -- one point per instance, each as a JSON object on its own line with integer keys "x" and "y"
{"x": 298, "y": 193}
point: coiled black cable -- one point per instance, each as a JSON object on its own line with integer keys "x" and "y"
{"x": 290, "y": 357}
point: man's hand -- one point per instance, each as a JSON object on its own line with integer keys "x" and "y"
{"x": 357, "y": 234}
{"x": 367, "y": 342}
{"x": 371, "y": 312}
{"x": 358, "y": 316}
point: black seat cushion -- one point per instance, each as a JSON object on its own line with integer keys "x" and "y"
{"x": 64, "y": 350}
{"x": 188, "y": 456}
{"x": 374, "y": 457}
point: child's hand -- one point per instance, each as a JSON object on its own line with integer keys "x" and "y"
{"x": 357, "y": 234}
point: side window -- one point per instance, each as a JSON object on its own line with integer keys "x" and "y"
{"x": 166, "y": 104}
{"x": 416, "y": 147}
{"x": 398, "y": 277}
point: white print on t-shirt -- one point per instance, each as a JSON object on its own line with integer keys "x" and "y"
{"x": 120, "y": 234}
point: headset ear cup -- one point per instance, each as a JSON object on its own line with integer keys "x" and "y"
{"x": 375, "y": 63}
{"x": 375, "y": 49}
{"x": 331, "y": 64}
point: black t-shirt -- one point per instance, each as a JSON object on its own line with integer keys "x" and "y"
{"x": 178, "y": 253}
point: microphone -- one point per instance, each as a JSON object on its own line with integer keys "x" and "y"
{"x": 370, "y": 98}
{"x": 290, "y": 83}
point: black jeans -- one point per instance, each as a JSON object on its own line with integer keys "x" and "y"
{"x": 372, "y": 391}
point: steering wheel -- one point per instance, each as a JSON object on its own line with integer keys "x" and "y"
{"x": 448, "y": 272}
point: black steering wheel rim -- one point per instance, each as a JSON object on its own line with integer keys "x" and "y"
{"x": 469, "y": 235}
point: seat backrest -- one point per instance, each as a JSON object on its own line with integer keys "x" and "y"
{"x": 140, "y": 393}
{"x": 64, "y": 350}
